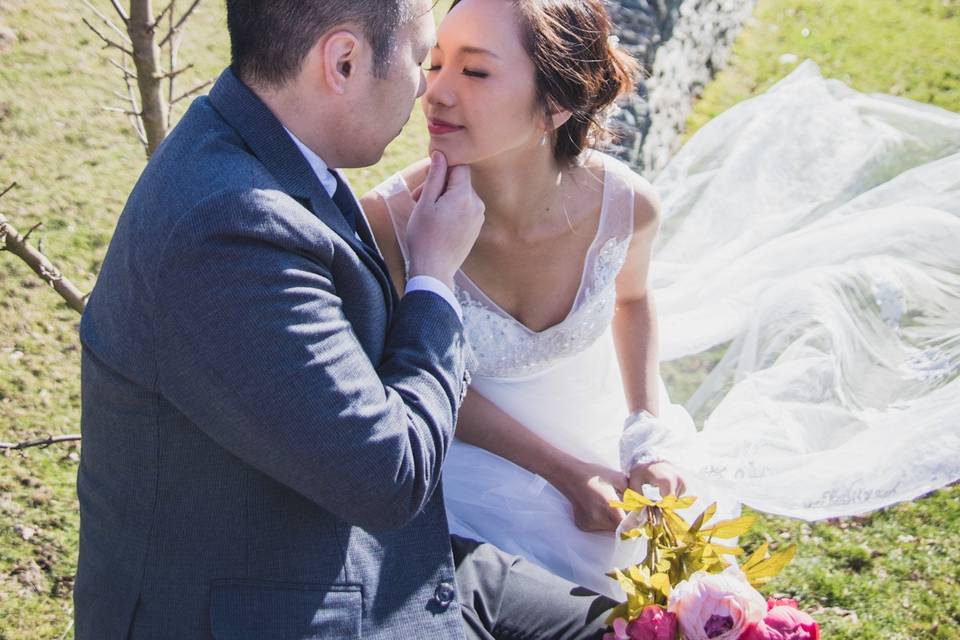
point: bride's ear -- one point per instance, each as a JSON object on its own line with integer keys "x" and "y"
{"x": 557, "y": 119}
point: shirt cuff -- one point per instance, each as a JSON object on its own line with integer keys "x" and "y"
{"x": 431, "y": 284}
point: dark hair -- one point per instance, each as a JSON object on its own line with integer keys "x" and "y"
{"x": 269, "y": 39}
{"x": 579, "y": 67}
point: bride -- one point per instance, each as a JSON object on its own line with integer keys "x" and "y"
{"x": 799, "y": 230}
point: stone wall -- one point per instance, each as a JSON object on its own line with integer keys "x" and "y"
{"x": 681, "y": 44}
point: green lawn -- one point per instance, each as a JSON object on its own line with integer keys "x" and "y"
{"x": 890, "y": 576}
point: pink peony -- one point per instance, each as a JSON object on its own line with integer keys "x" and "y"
{"x": 654, "y": 623}
{"x": 619, "y": 631}
{"x": 782, "y": 602}
{"x": 783, "y": 622}
{"x": 717, "y": 606}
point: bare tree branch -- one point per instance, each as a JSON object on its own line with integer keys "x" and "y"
{"x": 135, "y": 121}
{"x": 108, "y": 43}
{"x": 12, "y": 241}
{"x": 173, "y": 74}
{"x": 170, "y": 8}
{"x": 42, "y": 443}
{"x": 126, "y": 72}
{"x": 66, "y": 631}
{"x": 26, "y": 237}
{"x": 186, "y": 16}
{"x": 197, "y": 89}
{"x": 107, "y": 21}
{"x": 126, "y": 112}
{"x": 172, "y": 50}
{"x": 120, "y": 11}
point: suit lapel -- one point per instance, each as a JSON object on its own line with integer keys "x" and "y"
{"x": 271, "y": 144}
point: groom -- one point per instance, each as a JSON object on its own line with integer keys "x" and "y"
{"x": 264, "y": 420}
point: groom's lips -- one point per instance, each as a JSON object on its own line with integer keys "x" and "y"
{"x": 439, "y": 127}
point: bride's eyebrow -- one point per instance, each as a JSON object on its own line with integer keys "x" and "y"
{"x": 479, "y": 50}
{"x": 470, "y": 49}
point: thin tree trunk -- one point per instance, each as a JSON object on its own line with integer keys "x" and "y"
{"x": 146, "y": 58}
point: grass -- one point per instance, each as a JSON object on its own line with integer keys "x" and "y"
{"x": 890, "y": 576}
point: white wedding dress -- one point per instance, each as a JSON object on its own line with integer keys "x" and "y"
{"x": 814, "y": 232}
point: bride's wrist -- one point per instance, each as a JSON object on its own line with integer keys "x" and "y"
{"x": 557, "y": 467}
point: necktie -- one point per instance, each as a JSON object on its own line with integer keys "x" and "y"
{"x": 345, "y": 202}
{"x": 348, "y": 206}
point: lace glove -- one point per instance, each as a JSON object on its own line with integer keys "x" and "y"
{"x": 643, "y": 435}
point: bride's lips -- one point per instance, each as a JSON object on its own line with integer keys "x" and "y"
{"x": 439, "y": 127}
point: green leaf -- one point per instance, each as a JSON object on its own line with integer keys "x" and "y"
{"x": 633, "y": 533}
{"x": 622, "y": 610}
{"x": 674, "y": 503}
{"x": 722, "y": 549}
{"x": 678, "y": 526}
{"x": 758, "y": 556}
{"x": 764, "y": 570}
{"x": 625, "y": 583}
{"x": 731, "y": 528}
{"x": 703, "y": 518}
{"x": 632, "y": 501}
{"x": 661, "y": 582}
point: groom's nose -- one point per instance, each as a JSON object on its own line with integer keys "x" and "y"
{"x": 422, "y": 89}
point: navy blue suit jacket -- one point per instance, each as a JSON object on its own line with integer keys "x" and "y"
{"x": 264, "y": 422}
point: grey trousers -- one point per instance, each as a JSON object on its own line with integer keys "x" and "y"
{"x": 505, "y": 597}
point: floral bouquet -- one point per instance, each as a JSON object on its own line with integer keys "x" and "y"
{"x": 685, "y": 589}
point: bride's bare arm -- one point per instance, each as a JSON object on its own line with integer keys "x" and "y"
{"x": 635, "y": 333}
{"x": 588, "y": 487}
{"x": 635, "y": 321}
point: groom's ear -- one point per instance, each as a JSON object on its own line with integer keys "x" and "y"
{"x": 340, "y": 54}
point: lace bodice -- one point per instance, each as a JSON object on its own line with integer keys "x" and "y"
{"x": 502, "y": 346}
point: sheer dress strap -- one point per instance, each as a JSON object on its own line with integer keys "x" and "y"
{"x": 400, "y": 204}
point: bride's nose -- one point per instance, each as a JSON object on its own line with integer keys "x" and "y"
{"x": 439, "y": 90}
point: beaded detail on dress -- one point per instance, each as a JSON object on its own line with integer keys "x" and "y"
{"x": 501, "y": 346}
{"x": 504, "y": 348}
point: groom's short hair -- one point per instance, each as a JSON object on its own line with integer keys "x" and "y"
{"x": 269, "y": 39}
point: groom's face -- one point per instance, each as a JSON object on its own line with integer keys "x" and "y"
{"x": 384, "y": 103}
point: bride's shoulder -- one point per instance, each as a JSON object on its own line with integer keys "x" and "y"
{"x": 416, "y": 174}
{"x": 646, "y": 201}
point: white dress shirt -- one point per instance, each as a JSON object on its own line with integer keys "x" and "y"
{"x": 416, "y": 283}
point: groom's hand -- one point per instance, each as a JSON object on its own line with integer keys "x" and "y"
{"x": 445, "y": 223}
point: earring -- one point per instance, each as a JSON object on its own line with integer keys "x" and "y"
{"x": 543, "y": 139}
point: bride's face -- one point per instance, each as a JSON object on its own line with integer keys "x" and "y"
{"x": 481, "y": 97}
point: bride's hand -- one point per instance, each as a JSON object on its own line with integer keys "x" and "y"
{"x": 590, "y": 488}
{"x": 662, "y": 475}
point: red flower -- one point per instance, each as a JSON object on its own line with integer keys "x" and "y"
{"x": 784, "y": 602}
{"x": 784, "y": 621}
{"x": 654, "y": 623}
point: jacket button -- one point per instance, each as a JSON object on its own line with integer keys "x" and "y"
{"x": 444, "y": 594}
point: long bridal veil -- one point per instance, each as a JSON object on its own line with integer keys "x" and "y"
{"x": 813, "y": 233}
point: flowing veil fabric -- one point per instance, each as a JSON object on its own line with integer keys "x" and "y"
{"x": 815, "y": 231}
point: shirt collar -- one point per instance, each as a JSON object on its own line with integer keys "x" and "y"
{"x": 317, "y": 164}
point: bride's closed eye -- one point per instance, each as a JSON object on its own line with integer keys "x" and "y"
{"x": 466, "y": 72}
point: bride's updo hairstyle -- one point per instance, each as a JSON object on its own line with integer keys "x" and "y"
{"x": 579, "y": 68}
